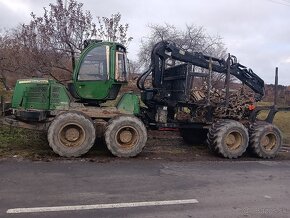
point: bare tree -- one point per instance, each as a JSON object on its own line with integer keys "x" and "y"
{"x": 111, "y": 29}
{"x": 134, "y": 68}
{"x": 9, "y": 57}
{"x": 60, "y": 31}
{"x": 50, "y": 44}
{"x": 190, "y": 39}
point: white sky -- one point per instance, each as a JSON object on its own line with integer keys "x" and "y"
{"x": 256, "y": 31}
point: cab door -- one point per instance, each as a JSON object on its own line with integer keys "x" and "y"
{"x": 92, "y": 80}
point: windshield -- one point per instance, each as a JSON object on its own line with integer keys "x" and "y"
{"x": 95, "y": 65}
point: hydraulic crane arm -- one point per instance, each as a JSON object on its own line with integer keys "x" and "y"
{"x": 165, "y": 50}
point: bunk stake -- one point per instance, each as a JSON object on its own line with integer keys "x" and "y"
{"x": 276, "y": 87}
{"x": 227, "y": 83}
{"x": 209, "y": 86}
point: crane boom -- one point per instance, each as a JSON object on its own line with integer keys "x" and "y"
{"x": 165, "y": 50}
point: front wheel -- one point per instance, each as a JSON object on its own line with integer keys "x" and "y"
{"x": 71, "y": 134}
{"x": 125, "y": 136}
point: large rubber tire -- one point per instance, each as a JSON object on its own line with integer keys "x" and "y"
{"x": 71, "y": 134}
{"x": 194, "y": 136}
{"x": 265, "y": 140}
{"x": 125, "y": 136}
{"x": 228, "y": 138}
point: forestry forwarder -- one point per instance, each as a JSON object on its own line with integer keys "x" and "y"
{"x": 226, "y": 119}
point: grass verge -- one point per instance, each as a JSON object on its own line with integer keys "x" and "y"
{"x": 23, "y": 142}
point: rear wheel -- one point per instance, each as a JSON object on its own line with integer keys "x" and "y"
{"x": 71, "y": 134}
{"x": 265, "y": 140}
{"x": 228, "y": 138}
{"x": 194, "y": 136}
{"x": 125, "y": 136}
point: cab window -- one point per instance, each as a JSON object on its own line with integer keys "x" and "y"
{"x": 121, "y": 67}
{"x": 95, "y": 65}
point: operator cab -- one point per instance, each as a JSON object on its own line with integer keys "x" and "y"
{"x": 101, "y": 71}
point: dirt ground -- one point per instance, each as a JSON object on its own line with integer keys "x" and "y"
{"x": 161, "y": 145}
{"x": 169, "y": 145}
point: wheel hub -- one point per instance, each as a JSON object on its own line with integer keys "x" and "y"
{"x": 72, "y": 134}
{"x": 269, "y": 141}
{"x": 233, "y": 140}
{"x": 126, "y": 136}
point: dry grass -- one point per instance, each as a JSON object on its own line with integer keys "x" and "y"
{"x": 282, "y": 121}
{"x": 22, "y": 142}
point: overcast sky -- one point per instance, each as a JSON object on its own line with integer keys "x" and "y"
{"x": 256, "y": 31}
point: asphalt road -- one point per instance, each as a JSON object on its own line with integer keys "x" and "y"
{"x": 222, "y": 188}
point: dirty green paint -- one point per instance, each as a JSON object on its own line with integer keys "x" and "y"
{"x": 129, "y": 103}
{"x": 40, "y": 94}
